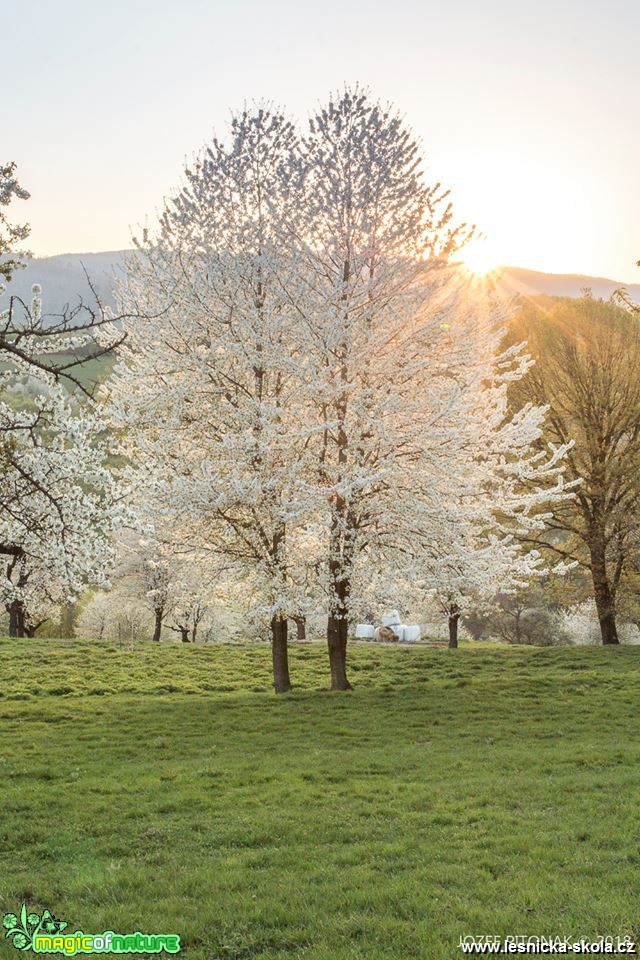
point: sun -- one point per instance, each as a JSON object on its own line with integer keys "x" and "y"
{"x": 478, "y": 257}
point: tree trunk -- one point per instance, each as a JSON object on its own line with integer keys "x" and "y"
{"x": 184, "y": 634}
{"x": 606, "y": 614}
{"x": 337, "y": 644}
{"x": 518, "y": 616}
{"x": 16, "y": 619}
{"x": 604, "y": 597}
{"x": 453, "y": 630}
{"x": 66, "y": 620}
{"x": 344, "y": 636}
{"x": 13, "y": 618}
{"x": 341, "y": 540}
{"x": 280, "y": 655}
{"x": 301, "y": 628}
{"x": 29, "y": 626}
{"x": 157, "y": 630}
{"x": 340, "y": 587}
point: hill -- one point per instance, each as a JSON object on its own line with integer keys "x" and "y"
{"x": 491, "y": 790}
{"x": 531, "y": 282}
{"x": 63, "y": 280}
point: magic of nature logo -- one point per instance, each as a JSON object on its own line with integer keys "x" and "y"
{"x": 44, "y": 933}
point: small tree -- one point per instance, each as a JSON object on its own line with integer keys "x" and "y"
{"x": 145, "y": 571}
{"x": 58, "y": 509}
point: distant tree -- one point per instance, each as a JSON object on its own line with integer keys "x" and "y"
{"x": 68, "y": 617}
{"x": 524, "y": 617}
{"x": 95, "y": 616}
{"x": 471, "y": 559}
{"x": 188, "y": 617}
{"x": 145, "y": 571}
{"x": 474, "y": 571}
{"x": 59, "y": 504}
{"x": 587, "y": 370}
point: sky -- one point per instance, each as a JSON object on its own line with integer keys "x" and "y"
{"x": 526, "y": 109}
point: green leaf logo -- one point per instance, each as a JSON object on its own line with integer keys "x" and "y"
{"x": 21, "y": 930}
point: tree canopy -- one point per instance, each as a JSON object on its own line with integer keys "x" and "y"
{"x": 587, "y": 370}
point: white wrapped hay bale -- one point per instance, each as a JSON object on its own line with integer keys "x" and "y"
{"x": 411, "y": 633}
{"x": 365, "y": 631}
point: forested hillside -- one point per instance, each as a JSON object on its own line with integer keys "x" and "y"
{"x": 64, "y": 281}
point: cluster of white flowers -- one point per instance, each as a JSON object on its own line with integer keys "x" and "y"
{"x": 59, "y": 502}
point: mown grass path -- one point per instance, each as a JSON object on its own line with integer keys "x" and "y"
{"x": 478, "y": 791}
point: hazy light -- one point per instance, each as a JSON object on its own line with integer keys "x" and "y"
{"x": 479, "y": 257}
{"x": 541, "y": 158}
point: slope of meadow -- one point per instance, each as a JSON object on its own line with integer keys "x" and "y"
{"x": 480, "y": 791}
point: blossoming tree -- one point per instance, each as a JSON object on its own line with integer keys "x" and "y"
{"x": 208, "y": 388}
{"x": 316, "y": 388}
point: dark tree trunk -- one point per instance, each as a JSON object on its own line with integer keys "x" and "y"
{"x": 301, "y": 628}
{"x": 30, "y": 626}
{"x": 157, "y": 630}
{"x": 16, "y": 619}
{"x": 341, "y": 543}
{"x": 604, "y": 597}
{"x": 184, "y": 634}
{"x": 453, "y": 630}
{"x": 280, "y": 655}
{"x": 605, "y": 607}
{"x": 337, "y": 623}
{"x": 344, "y": 636}
{"x": 13, "y": 620}
{"x": 337, "y": 644}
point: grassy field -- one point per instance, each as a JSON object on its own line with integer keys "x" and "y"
{"x": 478, "y": 791}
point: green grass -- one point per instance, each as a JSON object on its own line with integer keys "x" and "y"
{"x": 481, "y": 791}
